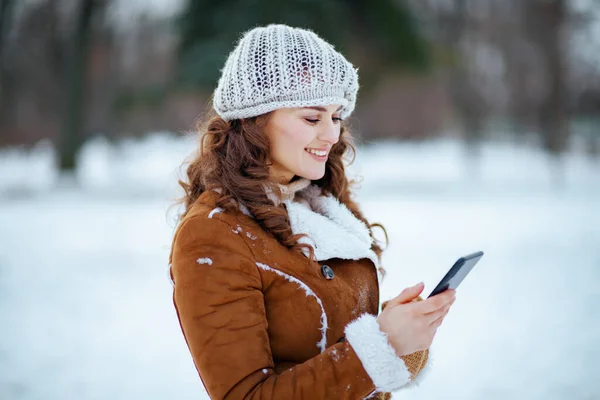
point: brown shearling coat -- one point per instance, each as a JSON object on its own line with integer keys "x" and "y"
{"x": 263, "y": 322}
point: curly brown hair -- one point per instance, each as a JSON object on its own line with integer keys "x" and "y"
{"x": 233, "y": 158}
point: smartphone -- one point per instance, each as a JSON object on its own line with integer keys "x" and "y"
{"x": 457, "y": 273}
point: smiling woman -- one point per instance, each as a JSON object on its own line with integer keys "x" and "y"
{"x": 275, "y": 269}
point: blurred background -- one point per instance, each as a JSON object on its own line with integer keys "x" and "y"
{"x": 478, "y": 128}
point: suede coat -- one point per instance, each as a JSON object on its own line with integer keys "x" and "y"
{"x": 264, "y": 322}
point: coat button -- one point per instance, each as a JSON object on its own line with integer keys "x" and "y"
{"x": 327, "y": 272}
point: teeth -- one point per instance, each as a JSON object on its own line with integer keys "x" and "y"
{"x": 320, "y": 153}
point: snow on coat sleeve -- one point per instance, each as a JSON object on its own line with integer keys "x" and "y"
{"x": 221, "y": 310}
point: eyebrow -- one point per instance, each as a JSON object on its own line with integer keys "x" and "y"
{"x": 322, "y": 109}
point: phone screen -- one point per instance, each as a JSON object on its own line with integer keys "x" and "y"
{"x": 457, "y": 273}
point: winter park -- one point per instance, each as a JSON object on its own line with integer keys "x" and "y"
{"x": 477, "y": 127}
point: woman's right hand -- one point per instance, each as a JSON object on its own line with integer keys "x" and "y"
{"x": 411, "y": 325}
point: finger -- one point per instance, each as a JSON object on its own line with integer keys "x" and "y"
{"x": 443, "y": 308}
{"x": 433, "y": 316}
{"x": 438, "y": 321}
{"x": 408, "y": 294}
{"x": 434, "y": 303}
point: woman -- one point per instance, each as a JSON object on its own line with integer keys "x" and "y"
{"x": 275, "y": 269}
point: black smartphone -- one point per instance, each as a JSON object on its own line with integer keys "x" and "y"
{"x": 457, "y": 273}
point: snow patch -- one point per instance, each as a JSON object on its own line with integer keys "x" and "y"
{"x": 363, "y": 295}
{"x": 245, "y": 210}
{"x": 215, "y": 211}
{"x": 334, "y": 355}
{"x": 204, "y": 260}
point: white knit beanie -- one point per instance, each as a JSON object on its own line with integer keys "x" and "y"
{"x": 279, "y": 66}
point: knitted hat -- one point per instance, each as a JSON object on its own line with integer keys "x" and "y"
{"x": 279, "y": 66}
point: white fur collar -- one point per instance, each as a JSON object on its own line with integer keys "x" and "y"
{"x": 332, "y": 229}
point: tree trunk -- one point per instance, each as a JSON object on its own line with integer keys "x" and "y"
{"x": 463, "y": 91}
{"x": 6, "y": 86}
{"x": 553, "y": 112}
{"x": 71, "y": 137}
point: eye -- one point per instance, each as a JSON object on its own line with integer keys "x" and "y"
{"x": 312, "y": 121}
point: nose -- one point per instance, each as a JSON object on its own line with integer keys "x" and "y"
{"x": 330, "y": 132}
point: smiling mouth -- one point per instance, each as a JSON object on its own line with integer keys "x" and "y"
{"x": 318, "y": 153}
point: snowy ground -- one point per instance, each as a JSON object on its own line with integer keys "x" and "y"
{"x": 85, "y": 308}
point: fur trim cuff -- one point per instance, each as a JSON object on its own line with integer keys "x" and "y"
{"x": 387, "y": 371}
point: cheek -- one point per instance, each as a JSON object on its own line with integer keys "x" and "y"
{"x": 295, "y": 138}
{"x": 298, "y": 136}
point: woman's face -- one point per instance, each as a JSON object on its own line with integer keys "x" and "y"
{"x": 301, "y": 139}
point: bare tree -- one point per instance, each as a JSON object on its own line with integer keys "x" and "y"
{"x": 34, "y": 67}
{"x": 71, "y": 137}
{"x": 6, "y": 87}
{"x": 468, "y": 100}
{"x": 547, "y": 20}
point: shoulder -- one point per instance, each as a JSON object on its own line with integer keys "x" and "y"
{"x": 207, "y": 236}
{"x": 205, "y": 208}
{"x": 207, "y": 225}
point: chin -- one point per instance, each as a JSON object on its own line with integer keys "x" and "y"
{"x": 312, "y": 175}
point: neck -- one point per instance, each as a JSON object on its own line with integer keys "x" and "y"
{"x": 288, "y": 191}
